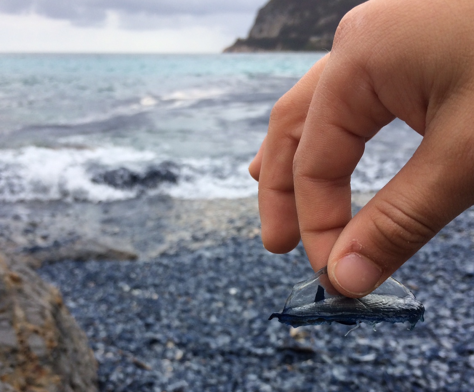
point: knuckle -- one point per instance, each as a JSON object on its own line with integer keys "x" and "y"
{"x": 297, "y": 167}
{"x": 400, "y": 231}
{"x": 356, "y": 26}
{"x": 347, "y": 26}
{"x": 281, "y": 110}
{"x": 306, "y": 171}
{"x": 285, "y": 122}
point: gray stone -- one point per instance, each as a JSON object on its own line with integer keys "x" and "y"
{"x": 84, "y": 249}
{"x": 37, "y": 345}
{"x": 7, "y": 336}
{"x": 6, "y": 388}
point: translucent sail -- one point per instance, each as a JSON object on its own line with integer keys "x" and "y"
{"x": 315, "y": 301}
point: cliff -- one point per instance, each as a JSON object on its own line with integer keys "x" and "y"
{"x": 295, "y": 25}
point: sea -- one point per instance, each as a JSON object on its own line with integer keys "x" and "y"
{"x": 101, "y": 128}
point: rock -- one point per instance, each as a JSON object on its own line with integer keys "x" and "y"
{"x": 42, "y": 349}
{"x": 81, "y": 249}
{"x": 124, "y": 178}
{"x": 295, "y": 25}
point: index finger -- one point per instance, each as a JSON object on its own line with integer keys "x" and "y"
{"x": 345, "y": 112}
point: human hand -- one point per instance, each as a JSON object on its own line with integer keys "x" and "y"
{"x": 411, "y": 59}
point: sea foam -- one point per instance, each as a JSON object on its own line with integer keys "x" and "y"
{"x": 70, "y": 174}
{"x": 37, "y": 173}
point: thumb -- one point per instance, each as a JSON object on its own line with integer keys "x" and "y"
{"x": 434, "y": 187}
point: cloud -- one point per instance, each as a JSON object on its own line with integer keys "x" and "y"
{"x": 38, "y": 34}
{"x": 237, "y": 24}
{"x": 130, "y": 12}
{"x": 183, "y": 26}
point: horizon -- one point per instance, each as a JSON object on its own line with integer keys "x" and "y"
{"x": 178, "y": 27}
{"x": 123, "y": 53}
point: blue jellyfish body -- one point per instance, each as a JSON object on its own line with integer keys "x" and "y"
{"x": 315, "y": 301}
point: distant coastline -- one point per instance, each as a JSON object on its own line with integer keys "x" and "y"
{"x": 294, "y": 25}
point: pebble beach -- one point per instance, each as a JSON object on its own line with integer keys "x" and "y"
{"x": 195, "y": 317}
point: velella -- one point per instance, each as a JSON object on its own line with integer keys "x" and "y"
{"x": 315, "y": 301}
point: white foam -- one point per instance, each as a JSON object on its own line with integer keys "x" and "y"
{"x": 188, "y": 97}
{"x": 37, "y": 173}
{"x": 148, "y": 101}
{"x": 193, "y": 94}
{"x": 199, "y": 180}
{"x": 34, "y": 173}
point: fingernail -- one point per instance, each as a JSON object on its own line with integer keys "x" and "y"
{"x": 357, "y": 274}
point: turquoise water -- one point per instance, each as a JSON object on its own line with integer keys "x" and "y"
{"x": 64, "y": 89}
{"x": 68, "y": 119}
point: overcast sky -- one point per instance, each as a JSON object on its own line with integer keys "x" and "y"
{"x": 170, "y": 26}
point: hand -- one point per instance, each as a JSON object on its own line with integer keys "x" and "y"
{"x": 411, "y": 59}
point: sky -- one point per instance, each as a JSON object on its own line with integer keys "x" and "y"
{"x": 124, "y": 26}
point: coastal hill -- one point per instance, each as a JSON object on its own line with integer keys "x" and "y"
{"x": 295, "y": 25}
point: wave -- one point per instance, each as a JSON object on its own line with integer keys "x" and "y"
{"x": 193, "y": 94}
{"x": 36, "y": 173}
{"x": 213, "y": 178}
{"x": 117, "y": 173}
{"x": 120, "y": 110}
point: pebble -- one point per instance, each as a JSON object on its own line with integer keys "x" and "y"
{"x": 198, "y": 320}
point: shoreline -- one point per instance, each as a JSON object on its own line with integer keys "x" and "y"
{"x": 137, "y": 229}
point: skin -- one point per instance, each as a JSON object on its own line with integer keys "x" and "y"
{"x": 411, "y": 59}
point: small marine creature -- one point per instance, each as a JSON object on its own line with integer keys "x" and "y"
{"x": 315, "y": 301}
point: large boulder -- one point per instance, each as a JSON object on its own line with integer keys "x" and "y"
{"x": 42, "y": 349}
{"x": 295, "y": 25}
